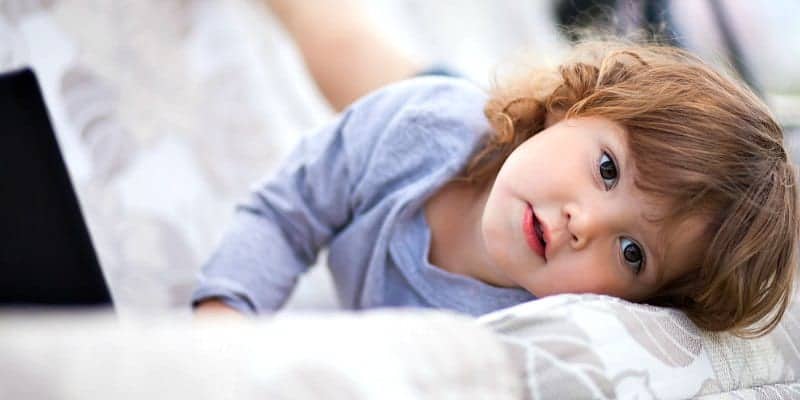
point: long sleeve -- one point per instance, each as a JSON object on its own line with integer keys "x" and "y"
{"x": 354, "y": 169}
{"x": 277, "y": 232}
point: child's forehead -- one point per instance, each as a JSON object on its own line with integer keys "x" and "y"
{"x": 656, "y": 208}
{"x": 594, "y": 123}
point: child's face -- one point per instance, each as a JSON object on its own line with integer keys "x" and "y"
{"x": 577, "y": 177}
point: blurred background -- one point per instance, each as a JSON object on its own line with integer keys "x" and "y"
{"x": 167, "y": 111}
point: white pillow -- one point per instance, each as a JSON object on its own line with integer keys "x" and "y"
{"x": 594, "y": 346}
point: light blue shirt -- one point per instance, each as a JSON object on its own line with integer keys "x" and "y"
{"x": 359, "y": 186}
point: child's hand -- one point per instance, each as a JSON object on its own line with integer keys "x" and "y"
{"x": 216, "y": 308}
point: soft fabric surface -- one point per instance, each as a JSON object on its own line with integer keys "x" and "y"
{"x": 592, "y": 346}
{"x": 568, "y": 346}
{"x": 379, "y": 355}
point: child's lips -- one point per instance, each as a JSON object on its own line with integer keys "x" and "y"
{"x": 532, "y": 237}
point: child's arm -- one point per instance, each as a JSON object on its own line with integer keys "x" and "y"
{"x": 373, "y": 150}
{"x": 346, "y": 52}
{"x": 317, "y": 191}
{"x": 278, "y": 231}
{"x": 216, "y": 308}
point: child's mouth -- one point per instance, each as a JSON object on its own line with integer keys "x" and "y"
{"x": 533, "y": 232}
{"x": 538, "y": 227}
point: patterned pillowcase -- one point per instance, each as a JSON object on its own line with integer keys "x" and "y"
{"x": 594, "y": 346}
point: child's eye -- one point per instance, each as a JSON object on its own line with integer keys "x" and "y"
{"x": 608, "y": 170}
{"x": 632, "y": 255}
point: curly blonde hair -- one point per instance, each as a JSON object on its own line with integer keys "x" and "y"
{"x": 699, "y": 139}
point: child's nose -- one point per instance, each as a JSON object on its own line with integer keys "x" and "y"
{"x": 583, "y": 223}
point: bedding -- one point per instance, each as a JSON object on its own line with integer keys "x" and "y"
{"x": 593, "y": 346}
{"x": 378, "y": 355}
{"x": 565, "y": 346}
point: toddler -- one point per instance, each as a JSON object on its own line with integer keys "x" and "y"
{"x": 630, "y": 170}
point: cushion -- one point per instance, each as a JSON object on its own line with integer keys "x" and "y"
{"x": 594, "y": 346}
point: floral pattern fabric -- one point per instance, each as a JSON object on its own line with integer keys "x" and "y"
{"x": 593, "y": 346}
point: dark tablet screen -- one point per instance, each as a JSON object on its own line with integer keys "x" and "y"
{"x": 46, "y": 254}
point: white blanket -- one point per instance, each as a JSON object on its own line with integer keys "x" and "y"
{"x": 377, "y": 355}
